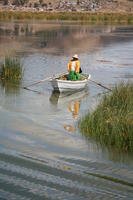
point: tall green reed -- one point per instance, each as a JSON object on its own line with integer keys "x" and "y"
{"x": 11, "y": 69}
{"x": 11, "y": 74}
{"x": 111, "y": 123}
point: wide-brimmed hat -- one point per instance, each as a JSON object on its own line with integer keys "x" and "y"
{"x": 76, "y": 56}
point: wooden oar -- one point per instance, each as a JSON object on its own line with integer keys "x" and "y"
{"x": 40, "y": 81}
{"x": 100, "y": 85}
{"x": 46, "y": 79}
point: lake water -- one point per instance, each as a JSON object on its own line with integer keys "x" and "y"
{"x": 43, "y": 155}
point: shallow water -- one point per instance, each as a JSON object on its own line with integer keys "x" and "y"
{"x": 43, "y": 155}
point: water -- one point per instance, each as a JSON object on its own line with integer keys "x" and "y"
{"x": 43, "y": 155}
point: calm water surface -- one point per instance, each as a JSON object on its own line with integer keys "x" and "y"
{"x": 43, "y": 155}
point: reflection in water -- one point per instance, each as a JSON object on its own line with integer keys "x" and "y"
{"x": 50, "y": 38}
{"x": 9, "y": 87}
{"x": 69, "y": 128}
{"x": 72, "y": 102}
{"x": 57, "y": 98}
{"x": 41, "y": 161}
{"x": 56, "y": 38}
{"x": 74, "y": 108}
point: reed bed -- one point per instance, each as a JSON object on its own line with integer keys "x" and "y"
{"x": 11, "y": 70}
{"x": 70, "y": 16}
{"x": 111, "y": 123}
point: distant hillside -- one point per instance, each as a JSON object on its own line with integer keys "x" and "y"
{"x": 69, "y": 5}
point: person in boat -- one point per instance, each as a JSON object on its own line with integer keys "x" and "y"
{"x": 74, "y": 68}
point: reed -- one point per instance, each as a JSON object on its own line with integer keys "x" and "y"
{"x": 95, "y": 18}
{"x": 11, "y": 70}
{"x": 111, "y": 123}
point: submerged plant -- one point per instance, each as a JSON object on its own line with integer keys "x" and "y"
{"x": 111, "y": 123}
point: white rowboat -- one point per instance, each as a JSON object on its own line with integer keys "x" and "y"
{"x": 61, "y": 84}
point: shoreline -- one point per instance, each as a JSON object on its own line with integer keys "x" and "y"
{"x": 92, "y": 17}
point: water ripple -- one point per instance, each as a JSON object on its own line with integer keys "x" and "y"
{"x": 44, "y": 179}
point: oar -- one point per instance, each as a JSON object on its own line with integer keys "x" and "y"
{"x": 40, "y": 81}
{"x": 100, "y": 85}
{"x": 46, "y": 79}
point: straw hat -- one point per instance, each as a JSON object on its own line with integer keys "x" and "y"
{"x": 76, "y": 56}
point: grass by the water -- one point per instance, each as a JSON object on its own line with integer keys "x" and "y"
{"x": 94, "y": 18}
{"x": 11, "y": 69}
{"x": 111, "y": 123}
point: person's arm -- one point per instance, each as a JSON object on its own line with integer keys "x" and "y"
{"x": 77, "y": 66}
{"x": 69, "y": 67}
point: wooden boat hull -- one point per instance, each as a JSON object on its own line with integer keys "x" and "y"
{"x": 68, "y": 85}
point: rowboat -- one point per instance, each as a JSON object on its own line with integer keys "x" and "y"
{"x": 61, "y": 83}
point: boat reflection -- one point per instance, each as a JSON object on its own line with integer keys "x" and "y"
{"x": 72, "y": 102}
{"x": 57, "y": 98}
